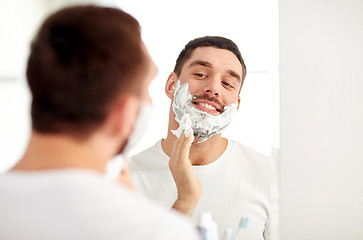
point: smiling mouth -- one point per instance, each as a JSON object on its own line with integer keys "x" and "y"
{"x": 205, "y": 107}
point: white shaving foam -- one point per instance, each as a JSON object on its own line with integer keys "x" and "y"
{"x": 184, "y": 125}
{"x": 203, "y": 124}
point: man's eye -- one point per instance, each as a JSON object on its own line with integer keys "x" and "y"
{"x": 227, "y": 84}
{"x": 201, "y": 75}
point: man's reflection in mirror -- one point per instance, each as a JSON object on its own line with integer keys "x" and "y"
{"x": 194, "y": 169}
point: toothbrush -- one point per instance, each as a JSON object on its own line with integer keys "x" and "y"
{"x": 228, "y": 234}
{"x": 242, "y": 225}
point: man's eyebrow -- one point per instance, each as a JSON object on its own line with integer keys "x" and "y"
{"x": 209, "y": 65}
{"x": 202, "y": 63}
{"x": 234, "y": 74}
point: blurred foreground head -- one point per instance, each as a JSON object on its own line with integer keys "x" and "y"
{"x": 82, "y": 59}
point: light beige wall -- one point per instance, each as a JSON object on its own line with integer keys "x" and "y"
{"x": 321, "y": 77}
{"x": 18, "y": 23}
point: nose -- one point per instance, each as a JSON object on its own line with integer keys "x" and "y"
{"x": 212, "y": 86}
{"x": 211, "y": 92}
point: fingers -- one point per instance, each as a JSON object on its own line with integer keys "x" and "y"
{"x": 182, "y": 146}
{"x": 187, "y": 182}
{"x": 189, "y": 139}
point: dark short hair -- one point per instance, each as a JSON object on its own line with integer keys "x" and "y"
{"x": 209, "y": 41}
{"x": 82, "y": 58}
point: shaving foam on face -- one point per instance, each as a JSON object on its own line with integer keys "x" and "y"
{"x": 203, "y": 124}
{"x": 184, "y": 125}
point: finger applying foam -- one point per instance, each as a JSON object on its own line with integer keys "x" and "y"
{"x": 186, "y": 126}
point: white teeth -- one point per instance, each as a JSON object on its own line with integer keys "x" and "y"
{"x": 207, "y": 106}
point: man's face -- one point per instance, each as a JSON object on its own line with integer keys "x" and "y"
{"x": 214, "y": 76}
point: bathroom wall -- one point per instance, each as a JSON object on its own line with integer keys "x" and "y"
{"x": 321, "y": 120}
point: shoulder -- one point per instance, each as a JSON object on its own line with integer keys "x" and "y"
{"x": 160, "y": 222}
{"x": 148, "y": 151}
{"x": 149, "y": 158}
{"x": 249, "y": 152}
{"x": 107, "y": 210}
{"x": 157, "y": 222}
{"x": 257, "y": 162}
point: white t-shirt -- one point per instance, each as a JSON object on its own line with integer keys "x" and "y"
{"x": 81, "y": 204}
{"x": 236, "y": 185}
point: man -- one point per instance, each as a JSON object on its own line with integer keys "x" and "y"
{"x": 209, "y": 173}
{"x": 88, "y": 73}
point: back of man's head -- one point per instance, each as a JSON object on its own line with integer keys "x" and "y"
{"x": 81, "y": 60}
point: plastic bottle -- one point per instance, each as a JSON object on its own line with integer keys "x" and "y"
{"x": 207, "y": 227}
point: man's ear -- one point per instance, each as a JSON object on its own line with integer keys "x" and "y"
{"x": 170, "y": 85}
{"x": 122, "y": 116}
{"x": 238, "y": 102}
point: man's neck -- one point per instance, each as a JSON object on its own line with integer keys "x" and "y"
{"x": 50, "y": 151}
